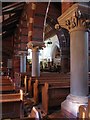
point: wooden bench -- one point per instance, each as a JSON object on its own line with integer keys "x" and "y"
{"x": 7, "y": 85}
{"x": 12, "y": 106}
{"x": 37, "y": 88}
{"x": 84, "y": 111}
{"x": 5, "y": 82}
{"x": 27, "y": 85}
{"x": 44, "y": 79}
{"x": 7, "y": 89}
{"x": 53, "y": 95}
{"x": 30, "y": 87}
{"x": 10, "y": 100}
{"x": 4, "y": 77}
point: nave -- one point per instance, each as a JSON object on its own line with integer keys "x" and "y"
{"x": 56, "y": 83}
{"x": 37, "y": 97}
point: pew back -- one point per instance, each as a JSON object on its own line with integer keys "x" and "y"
{"x": 11, "y": 106}
{"x": 37, "y": 88}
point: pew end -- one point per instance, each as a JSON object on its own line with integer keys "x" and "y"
{"x": 83, "y": 111}
{"x": 36, "y": 92}
{"x": 12, "y": 106}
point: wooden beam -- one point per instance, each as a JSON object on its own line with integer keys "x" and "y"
{"x": 11, "y": 5}
{"x": 12, "y": 11}
{"x": 16, "y": 16}
{"x": 7, "y": 33}
{"x": 10, "y": 26}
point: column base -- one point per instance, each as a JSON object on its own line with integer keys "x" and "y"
{"x": 72, "y": 103}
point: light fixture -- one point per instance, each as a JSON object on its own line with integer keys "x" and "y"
{"x": 49, "y": 42}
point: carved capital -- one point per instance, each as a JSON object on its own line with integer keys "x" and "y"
{"x": 22, "y": 53}
{"x": 76, "y": 17}
{"x": 35, "y": 44}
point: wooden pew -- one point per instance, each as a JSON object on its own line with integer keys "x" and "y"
{"x": 4, "y": 77}
{"x": 7, "y": 85}
{"x": 37, "y": 88}
{"x": 34, "y": 86}
{"x": 84, "y": 111}
{"x": 10, "y": 100}
{"x": 53, "y": 95}
{"x": 7, "y": 81}
{"x": 45, "y": 79}
{"x": 7, "y": 89}
{"x": 23, "y": 77}
{"x": 12, "y": 106}
{"x": 29, "y": 84}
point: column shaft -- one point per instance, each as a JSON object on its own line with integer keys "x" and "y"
{"x": 35, "y": 62}
{"x": 79, "y": 63}
{"x": 76, "y": 19}
{"x": 22, "y": 63}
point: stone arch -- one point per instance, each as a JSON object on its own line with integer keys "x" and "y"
{"x": 64, "y": 42}
{"x": 37, "y": 14}
{"x": 55, "y": 52}
{"x": 33, "y": 17}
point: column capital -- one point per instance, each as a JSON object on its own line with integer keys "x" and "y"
{"x": 35, "y": 49}
{"x": 35, "y": 44}
{"x": 77, "y": 17}
{"x": 22, "y": 53}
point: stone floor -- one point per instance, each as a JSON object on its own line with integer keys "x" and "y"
{"x": 55, "y": 114}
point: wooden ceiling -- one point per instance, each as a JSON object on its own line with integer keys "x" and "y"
{"x": 11, "y": 12}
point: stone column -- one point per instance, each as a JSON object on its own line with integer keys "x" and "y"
{"x": 77, "y": 20}
{"x": 23, "y": 55}
{"x": 89, "y": 52}
{"x": 35, "y": 46}
{"x": 35, "y": 62}
{"x": 21, "y": 63}
{"x": 79, "y": 62}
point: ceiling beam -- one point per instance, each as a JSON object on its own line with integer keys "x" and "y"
{"x": 10, "y": 26}
{"x": 12, "y": 5}
{"x": 5, "y": 22}
{"x": 7, "y": 33}
{"x": 13, "y": 11}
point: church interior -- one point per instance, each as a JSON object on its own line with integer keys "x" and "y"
{"x": 45, "y": 60}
